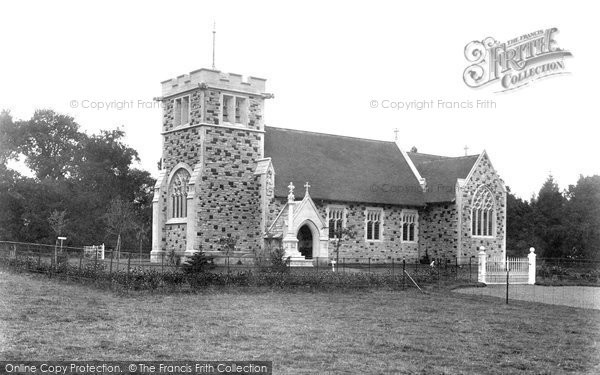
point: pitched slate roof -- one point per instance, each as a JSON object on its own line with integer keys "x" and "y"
{"x": 441, "y": 173}
{"x": 341, "y": 168}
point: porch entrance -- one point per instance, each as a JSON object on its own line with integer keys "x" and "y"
{"x": 305, "y": 242}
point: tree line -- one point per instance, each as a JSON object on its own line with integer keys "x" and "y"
{"x": 85, "y": 187}
{"x": 558, "y": 224}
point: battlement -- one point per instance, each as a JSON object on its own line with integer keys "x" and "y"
{"x": 214, "y": 79}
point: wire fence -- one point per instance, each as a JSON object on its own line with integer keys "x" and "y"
{"x": 434, "y": 269}
{"x": 571, "y": 282}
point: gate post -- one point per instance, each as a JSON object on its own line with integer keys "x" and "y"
{"x": 482, "y": 265}
{"x": 531, "y": 256}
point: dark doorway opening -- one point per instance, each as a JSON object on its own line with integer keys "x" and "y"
{"x": 305, "y": 242}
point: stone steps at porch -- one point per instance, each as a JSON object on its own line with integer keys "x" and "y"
{"x": 300, "y": 262}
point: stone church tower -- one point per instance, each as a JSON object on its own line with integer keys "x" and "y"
{"x": 208, "y": 188}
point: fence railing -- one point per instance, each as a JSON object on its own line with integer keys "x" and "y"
{"x": 73, "y": 262}
{"x": 437, "y": 271}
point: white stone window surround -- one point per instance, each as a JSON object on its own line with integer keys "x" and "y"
{"x": 411, "y": 218}
{"x": 182, "y": 110}
{"x": 177, "y": 189}
{"x": 336, "y": 212}
{"x": 483, "y": 213}
{"x": 376, "y": 215}
{"x": 233, "y": 106}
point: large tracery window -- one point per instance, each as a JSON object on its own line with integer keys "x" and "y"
{"x": 178, "y": 194}
{"x": 483, "y": 213}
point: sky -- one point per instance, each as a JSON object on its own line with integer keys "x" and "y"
{"x": 334, "y": 67}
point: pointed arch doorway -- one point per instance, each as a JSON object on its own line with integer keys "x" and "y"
{"x": 305, "y": 241}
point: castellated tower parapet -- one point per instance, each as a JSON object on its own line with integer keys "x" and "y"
{"x": 213, "y": 78}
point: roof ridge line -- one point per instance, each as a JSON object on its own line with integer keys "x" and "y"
{"x": 442, "y": 156}
{"x": 330, "y": 134}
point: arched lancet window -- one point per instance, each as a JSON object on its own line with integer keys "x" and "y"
{"x": 410, "y": 219}
{"x": 483, "y": 213}
{"x": 178, "y": 194}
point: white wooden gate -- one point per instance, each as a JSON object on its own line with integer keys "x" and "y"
{"x": 94, "y": 252}
{"x": 494, "y": 270}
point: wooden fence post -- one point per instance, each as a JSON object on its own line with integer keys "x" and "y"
{"x": 482, "y": 265}
{"x": 470, "y": 261}
{"x": 403, "y": 273}
{"x": 456, "y": 267}
{"x": 128, "y": 263}
{"x": 507, "y": 282}
{"x": 532, "y": 265}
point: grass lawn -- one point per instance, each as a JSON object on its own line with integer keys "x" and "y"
{"x": 302, "y": 332}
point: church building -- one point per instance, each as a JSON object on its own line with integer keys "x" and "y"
{"x": 225, "y": 174}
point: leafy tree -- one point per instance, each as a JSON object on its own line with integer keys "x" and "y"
{"x": 227, "y": 245}
{"x": 74, "y": 172}
{"x": 119, "y": 218}
{"x": 11, "y": 205}
{"x": 583, "y": 218}
{"x": 141, "y": 234}
{"x": 557, "y": 224}
{"x": 58, "y": 222}
{"x": 342, "y": 235}
{"x": 548, "y": 217}
{"x": 106, "y": 161}
{"x": 173, "y": 259}
{"x": 8, "y": 144}
{"x": 36, "y": 200}
{"x": 11, "y": 201}
{"x": 519, "y": 230}
{"x": 51, "y": 143}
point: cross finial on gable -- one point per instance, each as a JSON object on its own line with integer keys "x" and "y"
{"x": 291, "y": 195}
{"x": 306, "y": 185}
{"x": 466, "y": 150}
{"x": 396, "y": 131}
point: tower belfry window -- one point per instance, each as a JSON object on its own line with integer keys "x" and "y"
{"x": 181, "y": 111}
{"x": 234, "y": 109}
